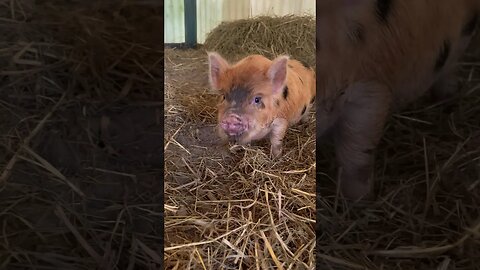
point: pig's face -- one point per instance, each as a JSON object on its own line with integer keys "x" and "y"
{"x": 250, "y": 92}
{"x": 241, "y": 110}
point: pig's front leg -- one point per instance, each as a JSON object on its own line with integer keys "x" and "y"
{"x": 278, "y": 128}
{"x": 359, "y": 129}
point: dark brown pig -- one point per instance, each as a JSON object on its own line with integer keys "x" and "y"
{"x": 376, "y": 56}
{"x": 261, "y": 97}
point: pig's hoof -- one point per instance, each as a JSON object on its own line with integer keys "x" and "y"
{"x": 304, "y": 119}
{"x": 276, "y": 151}
{"x": 444, "y": 89}
{"x": 356, "y": 190}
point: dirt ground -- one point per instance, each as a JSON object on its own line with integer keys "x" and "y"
{"x": 81, "y": 135}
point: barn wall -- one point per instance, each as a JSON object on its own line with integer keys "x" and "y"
{"x": 174, "y": 25}
{"x": 210, "y": 13}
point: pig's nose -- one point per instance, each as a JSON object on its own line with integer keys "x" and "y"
{"x": 233, "y": 125}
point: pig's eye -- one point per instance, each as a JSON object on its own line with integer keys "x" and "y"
{"x": 257, "y": 100}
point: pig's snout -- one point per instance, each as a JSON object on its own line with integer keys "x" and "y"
{"x": 233, "y": 125}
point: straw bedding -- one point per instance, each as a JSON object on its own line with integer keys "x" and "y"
{"x": 80, "y": 140}
{"x": 230, "y": 206}
{"x": 81, "y": 156}
{"x": 427, "y": 212}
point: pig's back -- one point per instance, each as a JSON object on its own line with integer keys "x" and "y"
{"x": 404, "y": 44}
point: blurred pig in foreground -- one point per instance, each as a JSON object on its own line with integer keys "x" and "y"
{"x": 376, "y": 56}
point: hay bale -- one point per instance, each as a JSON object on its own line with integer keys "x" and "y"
{"x": 269, "y": 36}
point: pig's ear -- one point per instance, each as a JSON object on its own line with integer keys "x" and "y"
{"x": 277, "y": 73}
{"x": 217, "y": 68}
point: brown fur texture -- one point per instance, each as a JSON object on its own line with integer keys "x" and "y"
{"x": 283, "y": 87}
{"x": 376, "y": 56}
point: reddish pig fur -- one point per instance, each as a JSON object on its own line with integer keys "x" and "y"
{"x": 261, "y": 97}
{"x": 376, "y": 56}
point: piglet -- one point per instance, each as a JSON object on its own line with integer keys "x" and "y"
{"x": 375, "y": 57}
{"x": 260, "y": 97}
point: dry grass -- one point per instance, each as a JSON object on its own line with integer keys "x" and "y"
{"x": 427, "y": 213}
{"x": 80, "y": 87}
{"x": 80, "y": 162}
{"x": 233, "y": 207}
{"x": 268, "y": 36}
